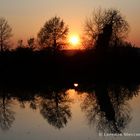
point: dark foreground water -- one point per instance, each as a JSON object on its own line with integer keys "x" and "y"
{"x": 71, "y": 114}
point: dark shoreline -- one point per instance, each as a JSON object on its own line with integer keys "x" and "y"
{"x": 24, "y": 67}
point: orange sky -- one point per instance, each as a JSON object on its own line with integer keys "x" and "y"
{"x": 27, "y": 16}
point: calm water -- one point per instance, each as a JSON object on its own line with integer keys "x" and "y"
{"x": 71, "y": 114}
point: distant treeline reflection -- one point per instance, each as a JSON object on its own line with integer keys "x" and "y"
{"x": 105, "y": 106}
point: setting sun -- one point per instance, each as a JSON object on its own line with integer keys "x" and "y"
{"x": 74, "y": 40}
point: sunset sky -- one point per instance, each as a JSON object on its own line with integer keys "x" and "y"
{"x": 27, "y": 16}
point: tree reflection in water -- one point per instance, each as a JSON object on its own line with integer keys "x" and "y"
{"x": 56, "y": 109}
{"x": 6, "y": 114}
{"x": 107, "y": 107}
{"x": 54, "y": 106}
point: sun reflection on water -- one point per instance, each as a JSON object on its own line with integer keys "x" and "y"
{"x": 76, "y": 84}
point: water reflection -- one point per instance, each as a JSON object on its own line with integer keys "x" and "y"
{"x": 6, "y": 114}
{"x": 53, "y": 104}
{"x": 107, "y": 107}
{"x": 56, "y": 109}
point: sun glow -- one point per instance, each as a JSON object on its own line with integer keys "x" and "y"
{"x": 74, "y": 40}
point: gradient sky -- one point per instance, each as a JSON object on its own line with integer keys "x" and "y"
{"x": 27, "y": 16}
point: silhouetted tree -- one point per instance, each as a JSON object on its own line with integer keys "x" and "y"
{"x": 20, "y": 44}
{"x": 105, "y": 28}
{"x": 31, "y": 43}
{"x": 5, "y": 33}
{"x": 53, "y": 34}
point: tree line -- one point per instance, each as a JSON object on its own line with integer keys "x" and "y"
{"x": 103, "y": 29}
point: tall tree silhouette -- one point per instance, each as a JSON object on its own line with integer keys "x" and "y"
{"x": 5, "y": 33}
{"x": 53, "y": 34}
{"x": 106, "y": 28}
